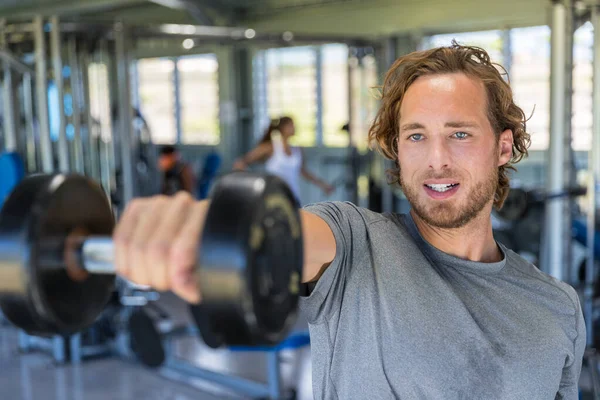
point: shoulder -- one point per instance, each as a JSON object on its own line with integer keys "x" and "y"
{"x": 264, "y": 149}
{"x": 265, "y": 146}
{"x": 542, "y": 283}
{"x": 344, "y": 210}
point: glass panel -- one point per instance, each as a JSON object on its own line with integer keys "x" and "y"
{"x": 157, "y": 98}
{"x": 530, "y": 80}
{"x": 199, "y": 90}
{"x": 291, "y": 89}
{"x": 335, "y": 94}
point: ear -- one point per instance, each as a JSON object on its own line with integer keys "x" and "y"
{"x": 505, "y": 147}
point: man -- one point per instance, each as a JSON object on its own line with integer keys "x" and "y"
{"x": 176, "y": 175}
{"x": 419, "y": 306}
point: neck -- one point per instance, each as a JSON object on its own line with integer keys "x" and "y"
{"x": 473, "y": 242}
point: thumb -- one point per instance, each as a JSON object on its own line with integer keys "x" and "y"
{"x": 184, "y": 285}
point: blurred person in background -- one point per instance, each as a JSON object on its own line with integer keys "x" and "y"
{"x": 176, "y": 174}
{"x": 281, "y": 158}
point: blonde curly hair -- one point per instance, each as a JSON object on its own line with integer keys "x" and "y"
{"x": 503, "y": 113}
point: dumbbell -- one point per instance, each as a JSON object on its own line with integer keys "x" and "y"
{"x": 57, "y": 271}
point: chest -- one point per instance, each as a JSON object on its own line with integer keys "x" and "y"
{"x": 285, "y": 157}
{"x": 438, "y": 334}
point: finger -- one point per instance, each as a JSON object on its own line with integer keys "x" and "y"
{"x": 184, "y": 254}
{"x": 123, "y": 234}
{"x": 159, "y": 245}
{"x": 137, "y": 257}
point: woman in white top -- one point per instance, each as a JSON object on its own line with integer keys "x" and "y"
{"x": 281, "y": 158}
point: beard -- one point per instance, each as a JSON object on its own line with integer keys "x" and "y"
{"x": 450, "y": 214}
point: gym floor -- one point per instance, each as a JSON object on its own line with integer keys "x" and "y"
{"x": 35, "y": 376}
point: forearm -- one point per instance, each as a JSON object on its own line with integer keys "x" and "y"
{"x": 260, "y": 153}
{"x": 312, "y": 178}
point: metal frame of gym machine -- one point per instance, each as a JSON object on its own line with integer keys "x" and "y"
{"x": 79, "y": 163}
{"x": 15, "y": 71}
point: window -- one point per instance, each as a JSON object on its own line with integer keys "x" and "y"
{"x": 369, "y": 102}
{"x": 99, "y": 99}
{"x": 530, "y": 80}
{"x": 530, "y": 76}
{"x": 157, "y": 98}
{"x": 291, "y": 89}
{"x": 259, "y": 91}
{"x": 491, "y": 41}
{"x": 286, "y": 82}
{"x": 335, "y": 94}
{"x": 581, "y": 123}
{"x": 198, "y": 98}
{"x": 199, "y": 92}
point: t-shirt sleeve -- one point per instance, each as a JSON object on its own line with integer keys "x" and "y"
{"x": 349, "y": 228}
{"x": 569, "y": 383}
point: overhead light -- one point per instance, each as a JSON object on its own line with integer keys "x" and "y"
{"x": 188, "y": 44}
{"x": 288, "y": 36}
{"x": 250, "y": 33}
{"x": 369, "y": 61}
{"x": 189, "y": 29}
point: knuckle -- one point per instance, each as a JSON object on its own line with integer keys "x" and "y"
{"x": 160, "y": 199}
{"x": 121, "y": 238}
{"x": 134, "y": 206}
{"x": 184, "y": 197}
{"x": 182, "y": 253}
{"x": 159, "y": 202}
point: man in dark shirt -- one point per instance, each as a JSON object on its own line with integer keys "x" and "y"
{"x": 176, "y": 174}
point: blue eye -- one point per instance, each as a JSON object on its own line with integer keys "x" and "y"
{"x": 461, "y": 135}
{"x": 416, "y": 137}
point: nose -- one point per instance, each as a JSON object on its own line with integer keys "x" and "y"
{"x": 439, "y": 154}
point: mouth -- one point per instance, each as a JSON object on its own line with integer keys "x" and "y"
{"x": 441, "y": 191}
{"x": 441, "y": 187}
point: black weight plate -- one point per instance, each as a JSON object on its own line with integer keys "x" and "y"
{"x": 250, "y": 263}
{"x": 515, "y": 206}
{"x": 202, "y": 318}
{"x": 527, "y": 230}
{"x": 45, "y": 209}
{"x": 146, "y": 341}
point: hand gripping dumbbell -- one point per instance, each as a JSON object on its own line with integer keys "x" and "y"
{"x": 56, "y": 258}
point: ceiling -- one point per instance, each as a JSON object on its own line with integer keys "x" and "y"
{"x": 366, "y": 18}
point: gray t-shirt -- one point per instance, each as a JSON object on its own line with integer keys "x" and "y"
{"x": 393, "y": 317}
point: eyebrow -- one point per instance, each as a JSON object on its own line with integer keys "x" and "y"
{"x": 451, "y": 124}
{"x": 411, "y": 127}
{"x": 461, "y": 124}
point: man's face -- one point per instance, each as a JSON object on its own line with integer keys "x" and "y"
{"x": 447, "y": 150}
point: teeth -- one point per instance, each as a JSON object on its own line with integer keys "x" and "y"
{"x": 441, "y": 187}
